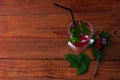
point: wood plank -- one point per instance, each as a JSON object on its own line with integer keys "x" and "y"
{"x": 54, "y": 25}
{"x": 29, "y": 48}
{"x": 13, "y": 7}
{"x": 33, "y": 37}
{"x": 54, "y": 70}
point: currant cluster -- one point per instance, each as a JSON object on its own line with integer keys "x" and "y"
{"x": 100, "y": 41}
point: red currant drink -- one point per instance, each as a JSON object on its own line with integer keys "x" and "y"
{"x": 84, "y": 34}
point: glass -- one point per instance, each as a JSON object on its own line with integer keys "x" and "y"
{"x": 84, "y": 39}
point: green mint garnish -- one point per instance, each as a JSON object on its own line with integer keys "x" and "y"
{"x": 84, "y": 28}
{"x": 75, "y": 32}
{"x": 80, "y": 61}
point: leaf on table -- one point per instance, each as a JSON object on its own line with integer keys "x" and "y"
{"x": 81, "y": 62}
{"x": 74, "y": 65}
{"x": 80, "y": 57}
{"x": 72, "y": 59}
{"x": 86, "y": 59}
{"x": 82, "y": 69}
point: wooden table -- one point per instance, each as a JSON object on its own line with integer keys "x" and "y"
{"x": 33, "y": 37}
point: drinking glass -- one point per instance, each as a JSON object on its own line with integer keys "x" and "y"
{"x": 84, "y": 39}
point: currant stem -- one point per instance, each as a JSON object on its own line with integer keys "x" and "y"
{"x": 96, "y": 66}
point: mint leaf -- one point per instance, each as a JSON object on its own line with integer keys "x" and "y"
{"x": 82, "y": 69}
{"x": 80, "y": 57}
{"x": 75, "y": 34}
{"x": 81, "y": 62}
{"x": 75, "y": 31}
{"x": 84, "y": 28}
{"x": 72, "y": 59}
{"x": 74, "y": 65}
{"x": 79, "y": 27}
{"x": 104, "y": 34}
{"x": 84, "y": 63}
{"x": 86, "y": 59}
{"x": 74, "y": 39}
{"x": 72, "y": 30}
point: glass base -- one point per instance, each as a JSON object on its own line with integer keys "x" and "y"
{"x": 76, "y": 49}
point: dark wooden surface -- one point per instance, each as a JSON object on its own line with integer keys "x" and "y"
{"x": 33, "y": 37}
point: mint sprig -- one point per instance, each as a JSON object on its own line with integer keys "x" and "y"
{"x": 76, "y": 31}
{"x": 80, "y": 61}
{"x": 84, "y": 28}
{"x": 74, "y": 34}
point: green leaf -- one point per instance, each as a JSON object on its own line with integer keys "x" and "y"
{"x": 104, "y": 34}
{"x": 74, "y": 65}
{"x": 74, "y": 39}
{"x": 72, "y": 30}
{"x": 75, "y": 31}
{"x": 81, "y": 62}
{"x": 86, "y": 59}
{"x": 72, "y": 59}
{"x": 80, "y": 57}
{"x": 84, "y": 28}
{"x": 97, "y": 53}
{"x": 79, "y": 27}
{"x": 75, "y": 34}
{"x": 82, "y": 69}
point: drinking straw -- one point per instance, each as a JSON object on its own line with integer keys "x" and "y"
{"x": 71, "y": 12}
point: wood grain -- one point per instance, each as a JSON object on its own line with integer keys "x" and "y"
{"x": 27, "y": 48}
{"x": 54, "y": 70}
{"x": 42, "y": 25}
{"x": 33, "y": 37}
{"x": 23, "y": 7}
